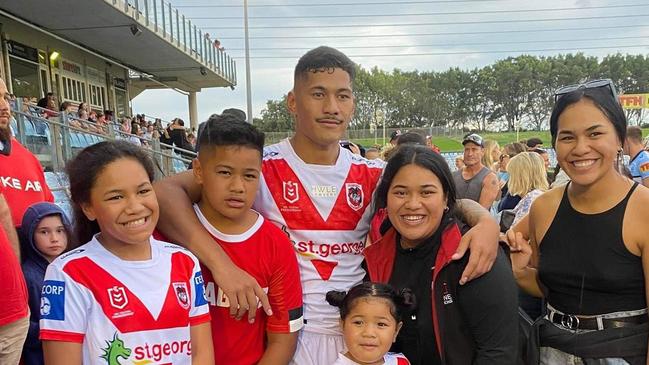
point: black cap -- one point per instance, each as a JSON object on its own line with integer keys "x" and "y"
{"x": 473, "y": 138}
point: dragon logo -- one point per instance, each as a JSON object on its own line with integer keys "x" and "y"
{"x": 114, "y": 350}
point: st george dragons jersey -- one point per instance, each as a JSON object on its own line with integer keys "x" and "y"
{"x": 326, "y": 212}
{"x": 263, "y": 251}
{"x": 124, "y": 312}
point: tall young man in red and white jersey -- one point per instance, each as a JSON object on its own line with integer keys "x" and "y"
{"x": 319, "y": 194}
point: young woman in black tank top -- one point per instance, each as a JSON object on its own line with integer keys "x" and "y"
{"x": 588, "y": 250}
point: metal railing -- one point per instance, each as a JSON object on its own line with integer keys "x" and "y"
{"x": 56, "y": 140}
{"x": 376, "y": 135}
{"x": 160, "y": 17}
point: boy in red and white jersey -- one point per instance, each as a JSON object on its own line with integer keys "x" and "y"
{"x": 320, "y": 195}
{"x": 228, "y": 169}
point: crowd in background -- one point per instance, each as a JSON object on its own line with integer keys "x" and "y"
{"x": 139, "y": 129}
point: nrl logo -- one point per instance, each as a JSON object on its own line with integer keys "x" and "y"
{"x": 117, "y": 297}
{"x": 290, "y": 190}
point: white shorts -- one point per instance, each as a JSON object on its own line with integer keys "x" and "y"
{"x": 317, "y": 349}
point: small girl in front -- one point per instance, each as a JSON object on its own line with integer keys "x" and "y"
{"x": 370, "y": 317}
{"x": 122, "y": 297}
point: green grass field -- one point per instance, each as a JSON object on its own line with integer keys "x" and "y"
{"x": 447, "y": 144}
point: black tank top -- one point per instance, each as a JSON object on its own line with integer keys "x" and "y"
{"x": 584, "y": 264}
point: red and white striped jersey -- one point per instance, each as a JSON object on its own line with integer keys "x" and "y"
{"x": 326, "y": 212}
{"x": 124, "y": 311}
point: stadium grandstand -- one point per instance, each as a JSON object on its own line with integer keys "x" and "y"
{"x": 106, "y": 52}
{"x": 100, "y": 56}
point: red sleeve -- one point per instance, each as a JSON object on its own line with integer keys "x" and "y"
{"x": 54, "y": 335}
{"x": 285, "y": 288}
{"x": 200, "y": 319}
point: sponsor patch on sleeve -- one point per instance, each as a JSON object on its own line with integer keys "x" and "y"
{"x": 53, "y": 300}
{"x": 644, "y": 167}
{"x": 199, "y": 289}
{"x": 295, "y": 319}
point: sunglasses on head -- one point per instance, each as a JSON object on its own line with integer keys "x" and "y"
{"x": 594, "y": 84}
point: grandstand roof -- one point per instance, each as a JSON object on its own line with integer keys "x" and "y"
{"x": 105, "y": 27}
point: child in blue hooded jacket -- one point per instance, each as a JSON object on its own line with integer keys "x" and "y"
{"x": 46, "y": 232}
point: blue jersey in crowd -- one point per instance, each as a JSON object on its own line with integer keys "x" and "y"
{"x": 639, "y": 166}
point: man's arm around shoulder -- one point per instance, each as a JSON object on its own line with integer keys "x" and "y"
{"x": 482, "y": 238}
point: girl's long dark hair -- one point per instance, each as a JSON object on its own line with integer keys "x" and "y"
{"x": 83, "y": 170}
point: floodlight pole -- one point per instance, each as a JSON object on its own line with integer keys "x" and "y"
{"x": 248, "y": 90}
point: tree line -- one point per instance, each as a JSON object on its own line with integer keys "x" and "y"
{"x": 516, "y": 92}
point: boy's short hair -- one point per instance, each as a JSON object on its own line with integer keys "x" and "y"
{"x": 229, "y": 129}
{"x": 324, "y": 59}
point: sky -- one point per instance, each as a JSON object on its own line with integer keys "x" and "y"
{"x": 419, "y": 35}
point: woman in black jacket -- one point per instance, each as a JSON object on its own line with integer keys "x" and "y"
{"x": 471, "y": 324}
